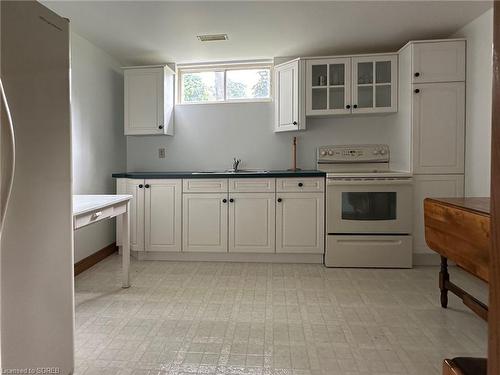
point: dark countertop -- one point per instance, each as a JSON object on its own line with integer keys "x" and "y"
{"x": 191, "y": 174}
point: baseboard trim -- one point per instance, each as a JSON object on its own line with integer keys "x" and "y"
{"x": 229, "y": 257}
{"x": 95, "y": 258}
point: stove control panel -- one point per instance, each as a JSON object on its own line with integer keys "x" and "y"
{"x": 353, "y": 154}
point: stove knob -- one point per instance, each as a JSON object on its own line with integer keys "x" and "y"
{"x": 375, "y": 152}
{"x": 330, "y": 152}
{"x": 322, "y": 153}
{"x": 383, "y": 151}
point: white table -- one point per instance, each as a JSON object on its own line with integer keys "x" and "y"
{"x": 89, "y": 209}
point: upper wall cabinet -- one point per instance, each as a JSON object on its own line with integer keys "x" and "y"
{"x": 438, "y": 118}
{"x": 329, "y": 86}
{"x": 149, "y": 100}
{"x": 438, "y": 61}
{"x": 289, "y": 96}
{"x": 349, "y": 85}
{"x": 374, "y": 84}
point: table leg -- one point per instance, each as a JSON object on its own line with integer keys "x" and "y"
{"x": 444, "y": 278}
{"x": 126, "y": 247}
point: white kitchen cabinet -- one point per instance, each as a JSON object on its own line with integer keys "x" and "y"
{"x": 352, "y": 84}
{"x": 438, "y": 127}
{"x": 374, "y": 84}
{"x": 162, "y": 215}
{"x": 205, "y": 185}
{"x": 300, "y": 224}
{"x": 289, "y": 96}
{"x": 205, "y": 222}
{"x": 438, "y": 61}
{"x": 431, "y": 186}
{"x": 295, "y": 185}
{"x": 149, "y": 100}
{"x": 252, "y": 222}
{"x": 328, "y": 83}
{"x": 252, "y": 185}
{"x": 136, "y": 189}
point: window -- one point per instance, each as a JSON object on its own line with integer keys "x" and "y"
{"x": 228, "y": 83}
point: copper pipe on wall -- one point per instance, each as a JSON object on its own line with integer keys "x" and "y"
{"x": 294, "y": 155}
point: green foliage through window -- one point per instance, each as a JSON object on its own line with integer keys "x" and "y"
{"x": 240, "y": 84}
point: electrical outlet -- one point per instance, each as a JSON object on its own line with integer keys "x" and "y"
{"x": 161, "y": 153}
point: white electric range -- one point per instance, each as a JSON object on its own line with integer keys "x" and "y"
{"x": 369, "y": 208}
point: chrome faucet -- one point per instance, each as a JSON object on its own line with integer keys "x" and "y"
{"x": 236, "y": 163}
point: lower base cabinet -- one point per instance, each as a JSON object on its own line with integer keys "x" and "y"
{"x": 431, "y": 186}
{"x": 135, "y": 188}
{"x": 155, "y": 214}
{"x": 205, "y": 222}
{"x": 300, "y": 224}
{"x": 222, "y": 217}
{"x": 162, "y": 215}
{"x": 252, "y": 222}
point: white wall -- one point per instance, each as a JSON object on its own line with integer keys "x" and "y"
{"x": 99, "y": 146}
{"x": 479, "y": 34}
{"x": 209, "y": 136}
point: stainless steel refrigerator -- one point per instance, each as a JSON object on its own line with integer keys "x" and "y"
{"x": 36, "y": 262}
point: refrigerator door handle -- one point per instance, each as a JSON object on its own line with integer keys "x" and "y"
{"x": 7, "y": 157}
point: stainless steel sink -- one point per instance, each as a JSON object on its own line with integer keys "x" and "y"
{"x": 247, "y": 171}
{"x": 230, "y": 171}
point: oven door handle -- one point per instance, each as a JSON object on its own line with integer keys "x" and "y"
{"x": 335, "y": 182}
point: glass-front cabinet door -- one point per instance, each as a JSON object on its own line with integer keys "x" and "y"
{"x": 374, "y": 84}
{"x": 328, "y": 83}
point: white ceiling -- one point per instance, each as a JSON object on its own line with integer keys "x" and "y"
{"x": 146, "y": 32}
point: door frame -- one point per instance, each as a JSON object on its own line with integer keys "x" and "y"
{"x": 494, "y": 287}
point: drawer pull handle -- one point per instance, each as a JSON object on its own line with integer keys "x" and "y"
{"x": 279, "y": 199}
{"x": 301, "y": 184}
{"x": 224, "y": 200}
{"x": 96, "y": 215}
{"x": 231, "y": 200}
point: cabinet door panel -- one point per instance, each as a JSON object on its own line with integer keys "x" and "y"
{"x": 287, "y": 100}
{"x": 163, "y": 215}
{"x": 328, "y": 86}
{"x": 439, "y": 61}
{"x": 205, "y": 219}
{"x": 431, "y": 186}
{"x": 144, "y": 101}
{"x": 205, "y": 185}
{"x": 300, "y": 224}
{"x": 136, "y": 213}
{"x": 374, "y": 84}
{"x": 252, "y": 222}
{"x": 439, "y": 127}
{"x": 252, "y": 185}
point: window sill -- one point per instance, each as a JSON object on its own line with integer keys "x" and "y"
{"x": 246, "y": 101}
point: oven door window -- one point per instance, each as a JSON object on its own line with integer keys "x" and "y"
{"x": 369, "y": 206}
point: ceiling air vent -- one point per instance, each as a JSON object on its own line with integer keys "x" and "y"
{"x": 212, "y": 37}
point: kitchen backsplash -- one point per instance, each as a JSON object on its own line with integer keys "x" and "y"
{"x": 209, "y": 136}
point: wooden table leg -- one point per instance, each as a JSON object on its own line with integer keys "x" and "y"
{"x": 444, "y": 278}
{"x": 126, "y": 248}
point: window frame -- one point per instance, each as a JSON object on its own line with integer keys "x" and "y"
{"x": 223, "y": 67}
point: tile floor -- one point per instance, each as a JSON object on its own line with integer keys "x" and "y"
{"x": 263, "y": 319}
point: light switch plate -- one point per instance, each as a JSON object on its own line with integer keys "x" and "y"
{"x": 161, "y": 153}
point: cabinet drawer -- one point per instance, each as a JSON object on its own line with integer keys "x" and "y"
{"x": 306, "y": 184}
{"x": 98, "y": 215}
{"x": 205, "y": 185}
{"x": 252, "y": 185}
